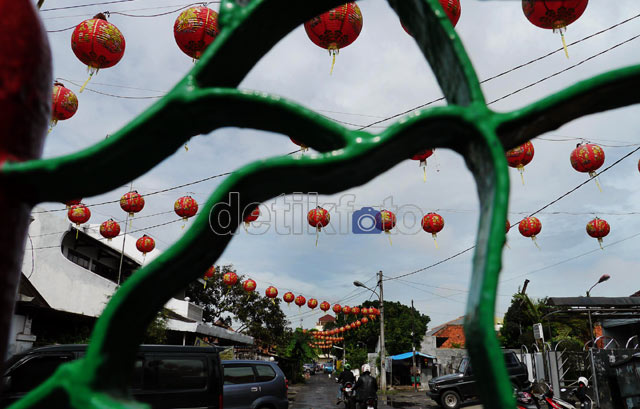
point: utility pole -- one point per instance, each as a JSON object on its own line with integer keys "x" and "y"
{"x": 344, "y": 353}
{"x": 413, "y": 345}
{"x": 383, "y": 379}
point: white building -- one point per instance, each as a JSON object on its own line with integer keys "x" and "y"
{"x": 68, "y": 276}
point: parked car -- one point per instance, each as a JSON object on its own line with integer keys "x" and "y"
{"x": 255, "y": 385}
{"x": 164, "y": 376}
{"x": 328, "y": 368}
{"x": 449, "y": 391}
{"x": 311, "y": 368}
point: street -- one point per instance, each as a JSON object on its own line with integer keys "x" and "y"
{"x": 320, "y": 393}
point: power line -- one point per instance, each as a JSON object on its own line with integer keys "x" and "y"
{"x": 571, "y": 258}
{"x": 86, "y": 5}
{"x": 532, "y": 214}
{"x": 384, "y": 119}
{"x": 564, "y": 70}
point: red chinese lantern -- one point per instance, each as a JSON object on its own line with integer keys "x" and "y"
{"x": 372, "y": 317}
{"x": 145, "y": 244}
{"x": 355, "y": 310}
{"x": 346, "y": 310}
{"x": 554, "y": 14}
{"x": 252, "y": 217}
{"x": 530, "y": 227}
{"x": 288, "y": 297}
{"x": 109, "y": 229}
{"x": 352, "y": 325}
{"x": 519, "y": 157}
{"x": 324, "y": 306}
{"x": 249, "y": 285}
{"x": 300, "y": 301}
{"x": 318, "y": 218}
{"x": 587, "y": 158}
{"x": 79, "y": 214}
{"x": 452, "y": 10}
{"x": 343, "y": 329}
{"x": 598, "y": 228}
{"x": 364, "y": 311}
{"x": 98, "y": 44}
{"x": 65, "y": 104}
{"x": 132, "y": 202}
{"x": 335, "y": 29}
{"x": 312, "y": 303}
{"x": 364, "y": 320}
{"x": 337, "y": 309}
{"x": 186, "y": 207}
{"x": 209, "y": 275}
{"x": 230, "y": 278}
{"x": 433, "y": 223}
{"x": 358, "y": 323}
{"x": 385, "y": 221}
{"x": 422, "y": 157}
{"x": 194, "y": 29}
{"x": 271, "y": 292}
{"x": 72, "y": 202}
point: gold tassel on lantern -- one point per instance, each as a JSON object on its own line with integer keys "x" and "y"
{"x": 434, "y": 239}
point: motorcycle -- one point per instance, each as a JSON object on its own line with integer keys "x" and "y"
{"x": 369, "y": 403}
{"x": 545, "y": 393}
{"x": 348, "y": 396}
{"x": 525, "y": 400}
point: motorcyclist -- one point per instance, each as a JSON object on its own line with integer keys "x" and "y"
{"x": 345, "y": 376}
{"x": 366, "y": 387}
{"x": 581, "y": 392}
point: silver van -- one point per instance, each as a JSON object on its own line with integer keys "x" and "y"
{"x": 254, "y": 385}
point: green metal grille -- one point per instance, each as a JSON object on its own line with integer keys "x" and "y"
{"x": 207, "y": 99}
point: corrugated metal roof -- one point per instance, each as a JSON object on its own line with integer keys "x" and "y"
{"x": 594, "y": 301}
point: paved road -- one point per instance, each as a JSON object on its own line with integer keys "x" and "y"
{"x": 320, "y": 393}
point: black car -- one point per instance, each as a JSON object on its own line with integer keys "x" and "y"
{"x": 449, "y": 391}
{"x": 164, "y": 376}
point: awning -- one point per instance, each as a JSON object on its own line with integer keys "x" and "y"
{"x": 406, "y": 355}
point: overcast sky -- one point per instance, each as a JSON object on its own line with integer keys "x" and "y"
{"x": 380, "y": 74}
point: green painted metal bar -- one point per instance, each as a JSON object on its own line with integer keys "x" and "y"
{"x": 347, "y": 159}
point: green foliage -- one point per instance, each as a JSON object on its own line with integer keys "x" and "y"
{"x": 517, "y": 329}
{"x": 397, "y": 327}
{"x": 259, "y": 316}
{"x": 298, "y": 351}
{"x": 157, "y": 330}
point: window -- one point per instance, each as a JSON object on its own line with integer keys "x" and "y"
{"x": 234, "y": 375}
{"x": 175, "y": 373}
{"x": 265, "y": 373}
{"x": 79, "y": 259}
{"x": 511, "y": 360}
{"x": 35, "y": 371}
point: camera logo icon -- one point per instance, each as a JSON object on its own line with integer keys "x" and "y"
{"x": 363, "y": 221}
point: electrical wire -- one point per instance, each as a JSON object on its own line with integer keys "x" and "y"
{"x": 570, "y": 258}
{"x": 86, "y": 5}
{"x": 564, "y": 70}
{"x": 532, "y": 214}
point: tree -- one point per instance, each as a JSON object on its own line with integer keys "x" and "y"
{"x": 258, "y": 316}
{"x": 397, "y": 330}
{"x": 517, "y": 329}
{"x": 298, "y": 351}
